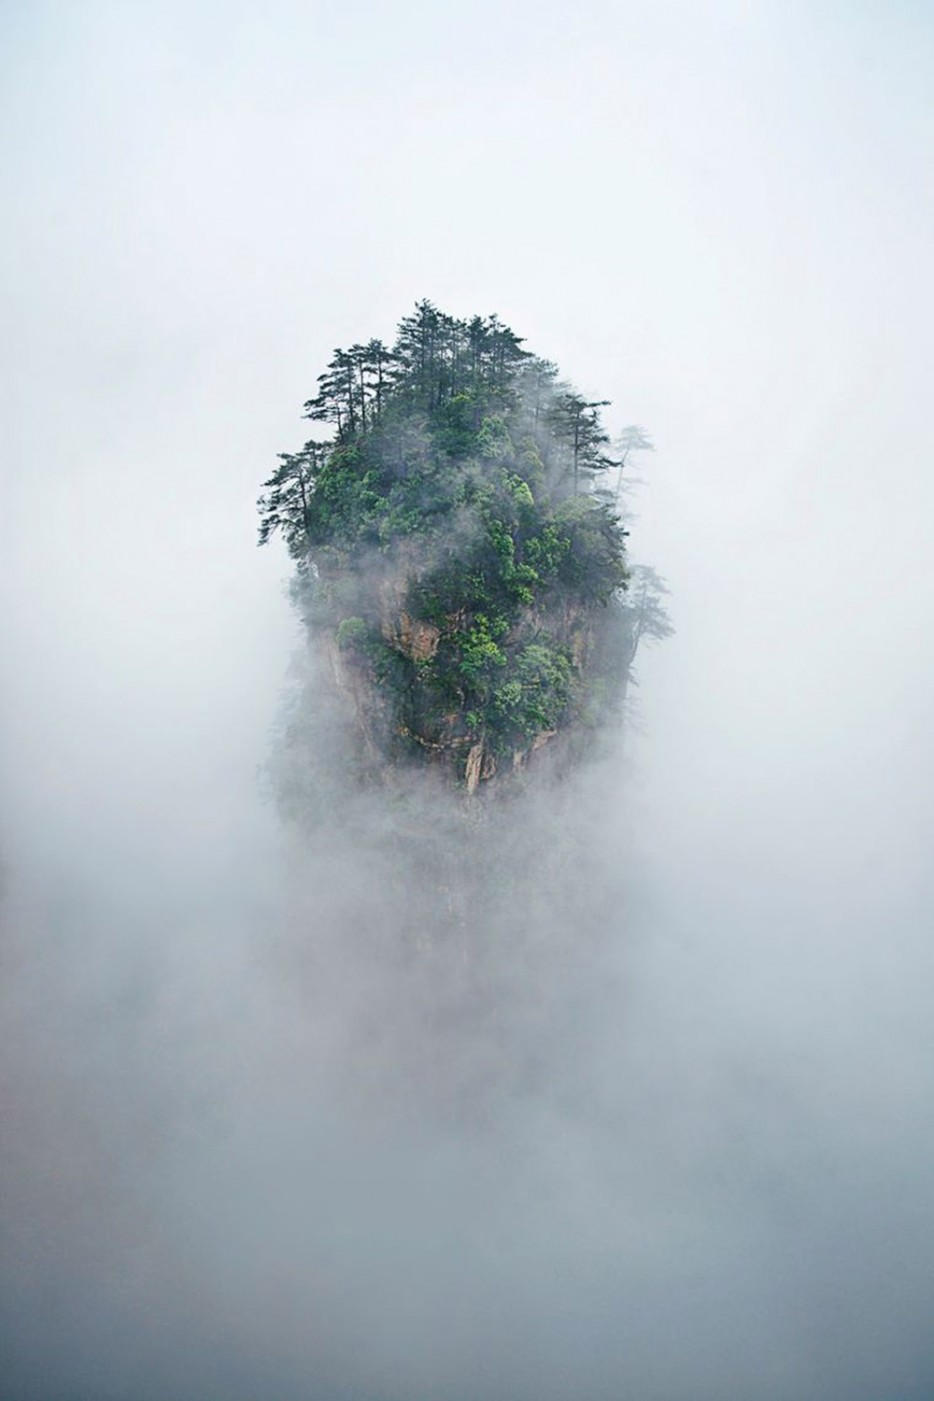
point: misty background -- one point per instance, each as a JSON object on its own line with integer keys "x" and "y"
{"x": 717, "y": 1183}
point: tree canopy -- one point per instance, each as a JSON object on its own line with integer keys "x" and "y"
{"x": 455, "y": 539}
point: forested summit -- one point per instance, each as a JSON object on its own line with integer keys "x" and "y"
{"x": 458, "y": 545}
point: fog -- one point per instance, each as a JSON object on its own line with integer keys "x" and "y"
{"x": 660, "y": 1127}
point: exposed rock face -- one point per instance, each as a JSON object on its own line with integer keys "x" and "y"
{"x": 354, "y": 687}
{"x": 395, "y": 725}
{"x": 414, "y": 638}
{"x": 474, "y": 767}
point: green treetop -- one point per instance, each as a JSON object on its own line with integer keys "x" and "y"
{"x": 453, "y": 536}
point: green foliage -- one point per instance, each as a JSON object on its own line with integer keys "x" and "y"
{"x": 546, "y": 550}
{"x": 535, "y": 696}
{"x": 352, "y": 633}
{"x": 460, "y": 478}
{"x": 479, "y": 653}
{"x": 593, "y": 566}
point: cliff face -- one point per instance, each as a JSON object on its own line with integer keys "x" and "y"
{"x": 391, "y": 694}
{"x": 457, "y": 552}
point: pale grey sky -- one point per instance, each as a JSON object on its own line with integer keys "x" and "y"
{"x": 720, "y": 216}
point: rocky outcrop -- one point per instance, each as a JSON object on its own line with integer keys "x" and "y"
{"x": 413, "y": 637}
{"x": 387, "y": 698}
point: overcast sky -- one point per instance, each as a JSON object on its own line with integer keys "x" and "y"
{"x": 719, "y": 216}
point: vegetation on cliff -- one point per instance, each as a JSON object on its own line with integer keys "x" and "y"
{"x": 458, "y": 545}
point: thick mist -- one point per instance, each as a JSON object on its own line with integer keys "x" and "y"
{"x": 649, "y": 1115}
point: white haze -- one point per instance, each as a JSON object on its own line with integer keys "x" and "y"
{"x": 695, "y": 1159}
